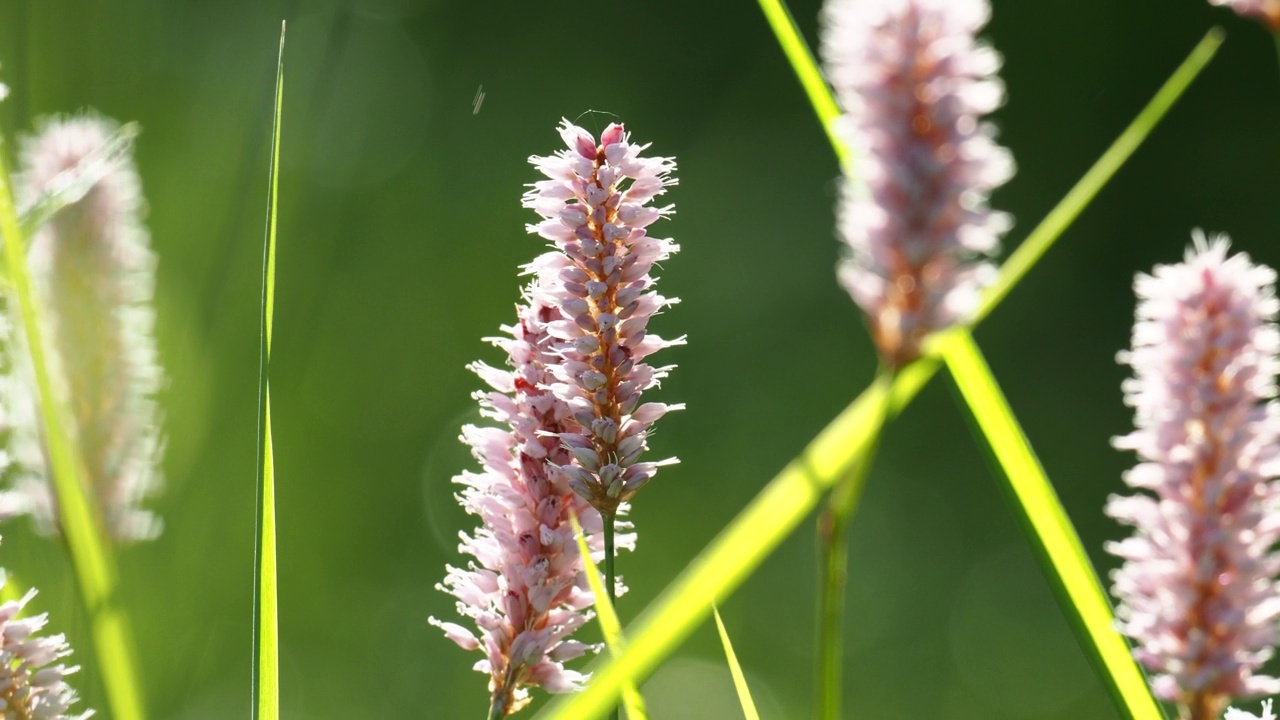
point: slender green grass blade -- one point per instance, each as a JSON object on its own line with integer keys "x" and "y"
{"x": 733, "y": 554}
{"x": 610, "y": 628}
{"x": 1045, "y": 522}
{"x": 807, "y": 70}
{"x": 1078, "y": 198}
{"x": 86, "y": 542}
{"x": 739, "y": 680}
{"x": 266, "y": 631}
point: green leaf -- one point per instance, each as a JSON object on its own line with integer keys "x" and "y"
{"x": 91, "y": 559}
{"x": 1047, "y": 527}
{"x": 739, "y": 680}
{"x": 610, "y": 628}
{"x": 266, "y": 630}
{"x": 736, "y": 551}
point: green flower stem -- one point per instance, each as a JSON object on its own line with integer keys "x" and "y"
{"x": 85, "y": 540}
{"x": 610, "y": 576}
{"x": 833, "y": 546}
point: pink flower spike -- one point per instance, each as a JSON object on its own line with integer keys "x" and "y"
{"x": 525, "y": 589}
{"x": 1197, "y": 590}
{"x": 595, "y": 210}
{"x": 914, "y": 84}
{"x": 1265, "y": 11}
{"x": 31, "y": 684}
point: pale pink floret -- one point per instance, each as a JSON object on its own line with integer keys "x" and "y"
{"x": 1267, "y": 11}
{"x": 1197, "y": 590}
{"x": 525, "y": 589}
{"x": 595, "y": 207}
{"x": 32, "y": 682}
{"x": 914, "y": 84}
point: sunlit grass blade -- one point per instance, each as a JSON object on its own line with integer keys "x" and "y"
{"x": 610, "y": 628}
{"x": 807, "y": 70}
{"x": 266, "y": 631}
{"x": 91, "y": 559}
{"x": 1082, "y": 193}
{"x": 734, "y": 553}
{"x": 735, "y": 669}
{"x": 1049, "y": 530}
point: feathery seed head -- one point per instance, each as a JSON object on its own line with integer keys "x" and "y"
{"x": 914, "y": 84}
{"x": 94, "y": 272}
{"x": 1197, "y": 590}
{"x": 595, "y": 205}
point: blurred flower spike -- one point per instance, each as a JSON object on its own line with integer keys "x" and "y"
{"x": 525, "y": 591}
{"x": 94, "y": 272}
{"x": 596, "y": 208}
{"x": 1265, "y": 11}
{"x": 1197, "y": 589}
{"x": 30, "y": 685}
{"x": 914, "y": 84}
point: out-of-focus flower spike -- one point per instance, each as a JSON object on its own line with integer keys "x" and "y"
{"x": 595, "y": 210}
{"x": 1198, "y": 591}
{"x": 94, "y": 270}
{"x": 525, "y": 589}
{"x": 914, "y": 84}
{"x": 1265, "y": 11}
{"x": 31, "y": 684}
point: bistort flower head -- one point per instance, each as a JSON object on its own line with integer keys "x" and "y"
{"x": 31, "y": 686}
{"x": 914, "y": 84}
{"x": 94, "y": 272}
{"x": 525, "y": 590}
{"x": 595, "y": 207}
{"x": 1266, "y": 11}
{"x": 1197, "y": 590}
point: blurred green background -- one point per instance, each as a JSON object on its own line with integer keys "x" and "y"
{"x": 401, "y": 234}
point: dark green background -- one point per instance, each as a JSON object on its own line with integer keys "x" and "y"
{"x": 401, "y": 232}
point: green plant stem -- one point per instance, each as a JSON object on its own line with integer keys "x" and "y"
{"x": 81, "y": 528}
{"x": 833, "y": 546}
{"x": 610, "y": 577}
